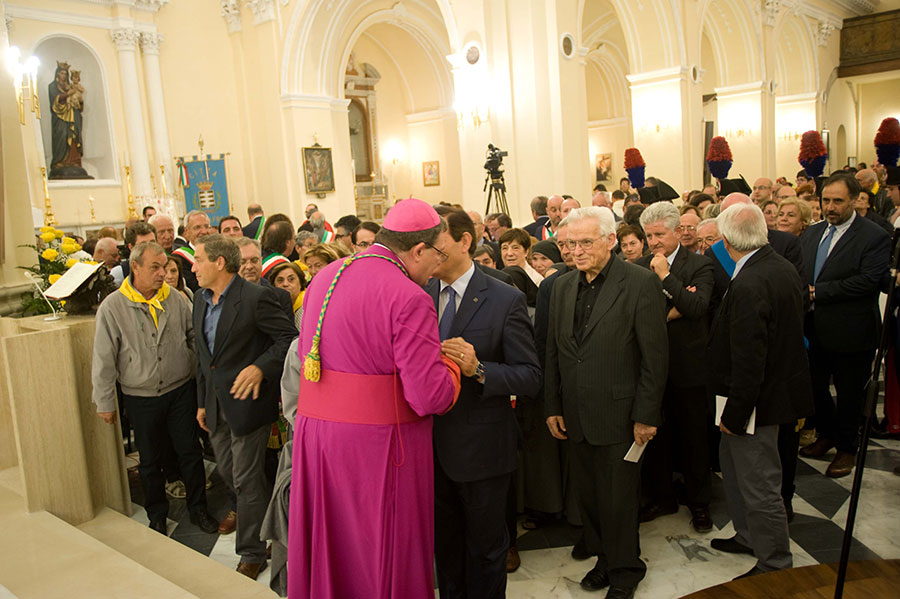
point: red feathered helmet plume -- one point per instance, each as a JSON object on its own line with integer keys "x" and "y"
{"x": 634, "y": 166}
{"x": 812, "y": 154}
{"x": 887, "y": 142}
{"x": 719, "y": 158}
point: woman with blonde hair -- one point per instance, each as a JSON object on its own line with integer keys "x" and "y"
{"x": 794, "y": 215}
{"x": 319, "y": 256}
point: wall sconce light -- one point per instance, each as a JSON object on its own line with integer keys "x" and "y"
{"x": 25, "y": 81}
{"x": 472, "y": 93}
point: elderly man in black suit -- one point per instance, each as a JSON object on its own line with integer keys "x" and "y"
{"x": 242, "y": 337}
{"x": 687, "y": 281}
{"x": 487, "y": 323}
{"x": 846, "y": 260}
{"x": 603, "y": 385}
{"x": 758, "y": 363}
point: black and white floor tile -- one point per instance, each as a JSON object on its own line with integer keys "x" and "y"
{"x": 679, "y": 559}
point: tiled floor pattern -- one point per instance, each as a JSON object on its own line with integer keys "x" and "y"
{"x": 679, "y": 560}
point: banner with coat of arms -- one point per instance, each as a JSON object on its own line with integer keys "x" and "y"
{"x": 205, "y": 185}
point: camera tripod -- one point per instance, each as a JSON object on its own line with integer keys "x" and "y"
{"x": 495, "y": 187}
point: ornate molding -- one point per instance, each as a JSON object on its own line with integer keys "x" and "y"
{"x": 125, "y": 39}
{"x": 150, "y": 42}
{"x": 824, "y": 30}
{"x": 263, "y": 10}
{"x": 771, "y": 9}
{"x": 150, "y": 5}
{"x": 231, "y": 11}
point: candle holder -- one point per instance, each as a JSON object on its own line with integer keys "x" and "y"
{"x": 49, "y": 218}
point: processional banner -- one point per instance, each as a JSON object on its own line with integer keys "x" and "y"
{"x": 205, "y": 185}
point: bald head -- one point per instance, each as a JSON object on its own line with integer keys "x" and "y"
{"x": 254, "y": 210}
{"x": 568, "y": 206}
{"x": 762, "y": 190}
{"x": 735, "y": 198}
{"x": 600, "y": 200}
{"x": 784, "y": 192}
{"x": 554, "y": 209}
{"x": 867, "y": 178}
{"x": 479, "y": 224}
{"x": 107, "y": 252}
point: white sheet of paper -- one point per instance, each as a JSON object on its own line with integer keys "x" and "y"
{"x": 720, "y": 407}
{"x": 635, "y": 452}
{"x": 71, "y": 280}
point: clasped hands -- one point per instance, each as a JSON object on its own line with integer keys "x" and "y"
{"x": 462, "y": 353}
{"x": 642, "y": 432}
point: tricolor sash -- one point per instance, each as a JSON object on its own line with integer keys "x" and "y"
{"x": 546, "y": 233}
{"x": 327, "y": 236}
{"x": 185, "y": 252}
{"x": 262, "y": 225}
{"x": 271, "y": 261}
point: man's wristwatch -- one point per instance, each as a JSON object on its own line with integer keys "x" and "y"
{"x": 479, "y": 371}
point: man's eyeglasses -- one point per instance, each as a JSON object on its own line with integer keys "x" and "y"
{"x": 364, "y": 244}
{"x": 585, "y": 244}
{"x": 688, "y": 228}
{"x": 441, "y": 253}
{"x": 709, "y": 240}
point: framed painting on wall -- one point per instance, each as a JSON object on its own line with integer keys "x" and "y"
{"x": 431, "y": 173}
{"x": 604, "y": 167}
{"x": 318, "y": 169}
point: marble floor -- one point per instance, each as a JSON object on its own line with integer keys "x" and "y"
{"x": 679, "y": 560}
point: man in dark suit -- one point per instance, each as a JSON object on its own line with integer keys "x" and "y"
{"x": 539, "y": 214}
{"x": 846, "y": 259}
{"x": 687, "y": 283}
{"x": 603, "y": 384}
{"x": 242, "y": 337}
{"x": 254, "y": 228}
{"x": 484, "y": 328}
{"x": 196, "y": 225}
{"x": 758, "y": 363}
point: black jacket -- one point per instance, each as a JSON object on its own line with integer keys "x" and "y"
{"x": 756, "y": 351}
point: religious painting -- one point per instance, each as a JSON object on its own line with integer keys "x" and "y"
{"x": 431, "y": 173}
{"x": 604, "y": 167}
{"x": 318, "y": 169}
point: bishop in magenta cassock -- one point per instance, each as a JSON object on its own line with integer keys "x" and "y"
{"x": 361, "y": 520}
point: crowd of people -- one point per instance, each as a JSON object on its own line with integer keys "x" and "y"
{"x": 426, "y": 386}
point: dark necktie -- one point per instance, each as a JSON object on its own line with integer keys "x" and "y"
{"x": 449, "y": 312}
{"x": 822, "y": 252}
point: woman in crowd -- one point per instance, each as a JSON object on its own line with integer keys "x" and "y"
{"x": 807, "y": 193}
{"x": 514, "y": 246}
{"x": 793, "y": 216}
{"x": 631, "y": 242}
{"x": 289, "y": 276}
{"x": 544, "y": 255}
{"x": 770, "y": 211}
{"x": 175, "y": 280}
{"x": 318, "y": 257}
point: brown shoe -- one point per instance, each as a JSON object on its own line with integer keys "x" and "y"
{"x": 251, "y": 570}
{"x": 513, "y": 561}
{"x": 807, "y": 437}
{"x": 841, "y": 465}
{"x": 228, "y": 523}
{"x": 817, "y": 449}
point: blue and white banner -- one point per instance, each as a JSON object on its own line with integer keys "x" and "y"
{"x": 205, "y": 185}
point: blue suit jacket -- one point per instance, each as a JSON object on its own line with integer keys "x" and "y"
{"x": 477, "y": 439}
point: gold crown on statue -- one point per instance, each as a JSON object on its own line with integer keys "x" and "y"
{"x": 205, "y": 185}
{"x": 62, "y": 65}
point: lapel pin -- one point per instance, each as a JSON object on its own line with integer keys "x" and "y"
{"x": 474, "y": 299}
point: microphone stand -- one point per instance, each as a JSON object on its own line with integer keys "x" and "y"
{"x": 36, "y": 282}
{"x": 869, "y": 413}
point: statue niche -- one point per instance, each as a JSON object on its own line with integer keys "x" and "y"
{"x": 67, "y": 104}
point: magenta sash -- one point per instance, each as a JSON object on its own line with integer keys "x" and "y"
{"x": 355, "y": 399}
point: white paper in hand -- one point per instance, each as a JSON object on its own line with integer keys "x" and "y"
{"x": 635, "y": 452}
{"x": 721, "y": 400}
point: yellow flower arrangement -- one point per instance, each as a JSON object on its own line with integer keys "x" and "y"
{"x": 59, "y": 234}
{"x": 53, "y": 278}
{"x": 49, "y": 254}
{"x": 47, "y": 229}
{"x": 48, "y": 236}
{"x": 69, "y": 245}
{"x": 71, "y": 262}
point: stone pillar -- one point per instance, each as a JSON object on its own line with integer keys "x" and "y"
{"x": 157, "y": 109}
{"x": 126, "y": 42}
{"x": 746, "y": 118}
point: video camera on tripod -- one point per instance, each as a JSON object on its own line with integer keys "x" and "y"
{"x": 493, "y": 165}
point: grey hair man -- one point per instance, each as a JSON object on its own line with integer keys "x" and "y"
{"x": 760, "y": 374}
{"x": 687, "y": 284}
{"x": 707, "y": 233}
{"x": 165, "y": 230}
{"x": 107, "y": 252}
{"x": 144, "y": 340}
{"x": 196, "y": 225}
{"x": 137, "y": 233}
{"x": 605, "y": 373}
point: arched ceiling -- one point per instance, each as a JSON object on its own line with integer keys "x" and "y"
{"x": 607, "y": 89}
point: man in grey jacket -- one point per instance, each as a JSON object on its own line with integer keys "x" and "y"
{"x": 145, "y": 341}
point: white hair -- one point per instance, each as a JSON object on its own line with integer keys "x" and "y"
{"x": 159, "y": 216}
{"x": 744, "y": 227}
{"x": 603, "y": 217}
{"x": 190, "y": 215}
{"x": 661, "y": 212}
{"x": 708, "y": 221}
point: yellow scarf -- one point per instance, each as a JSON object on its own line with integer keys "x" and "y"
{"x": 154, "y": 303}
{"x": 299, "y": 301}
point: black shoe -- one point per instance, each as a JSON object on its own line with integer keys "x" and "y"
{"x": 579, "y": 551}
{"x": 204, "y": 522}
{"x": 654, "y": 511}
{"x": 701, "y": 520}
{"x": 730, "y": 546}
{"x": 160, "y": 527}
{"x": 595, "y": 580}
{"x": 620, "y": 593}
{"x": 789, "y": 510}
{"x": 752, "y": 572}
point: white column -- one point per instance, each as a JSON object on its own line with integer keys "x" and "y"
{"x": 126, "y": 42}
{"x": 156, "y": 107}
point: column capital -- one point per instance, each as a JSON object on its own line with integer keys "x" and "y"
{"x": 824, "y": 29}
{"x": 150, "y": 42}
{"x": 231, "y": 12}
{"x": 263, "y": 10}
{"x": 125, "y": 39}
